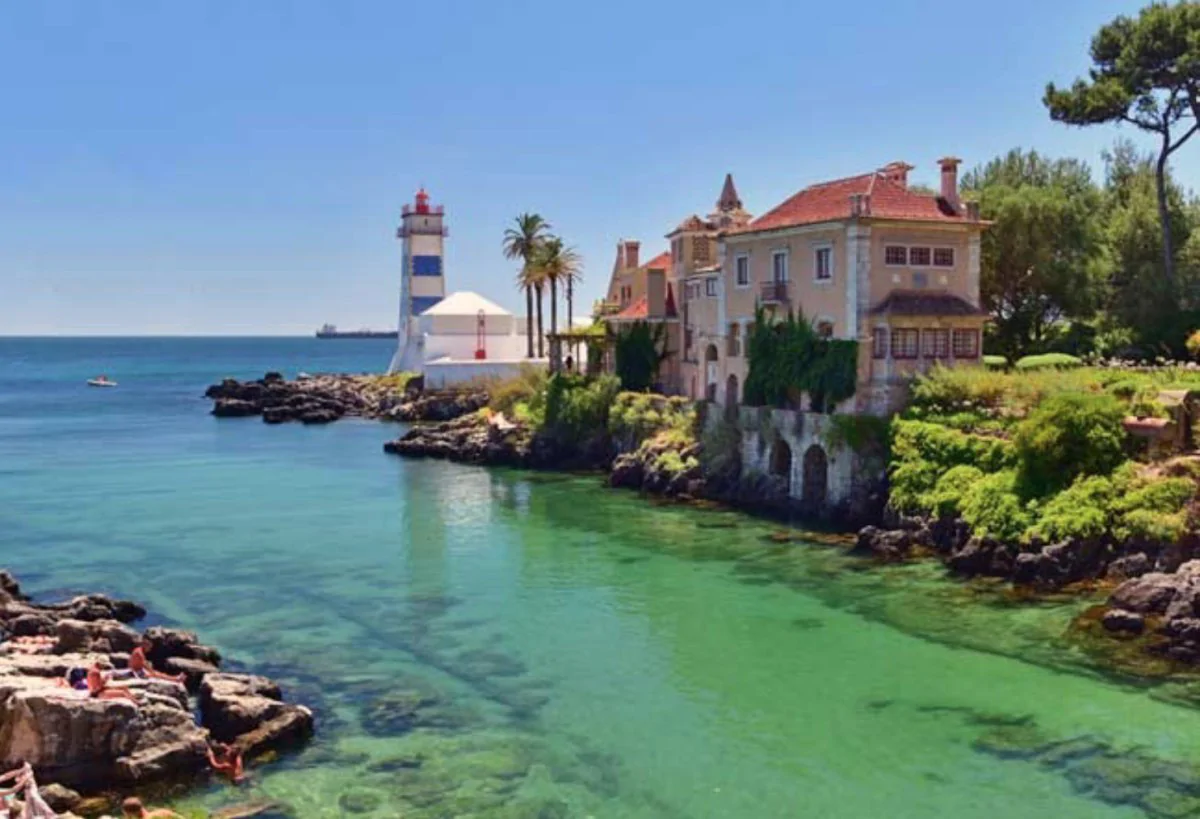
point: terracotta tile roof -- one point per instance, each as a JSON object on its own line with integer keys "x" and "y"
{"x": 830, "y": 201}
{"x": 924, "y": 303}
{"x": 692, "y": 223}
{"x": 639, "y": 309}
{"x": 660, "y": 262}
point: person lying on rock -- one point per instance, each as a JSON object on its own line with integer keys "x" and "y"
{"x": 75, "y": 678}
{"x": 134, "y": 809}
{"x": 140, "y": 668}
{"x": 99, "y": 689}
{"x": 227, "y": 760}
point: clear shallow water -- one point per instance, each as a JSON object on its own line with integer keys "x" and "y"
{"x": 576, "y": 651}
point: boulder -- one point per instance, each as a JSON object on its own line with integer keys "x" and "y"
{"x": 1148, "y": 594}
{"x": 1129, "y": 566}
{"x": 193, "y": 670}
{"x": 103, "y": 636}
{"x": 974, "y": 557}
{"x": 291, "y": 726}
{"x": 232, "y": 705}
{"x": 885, "y": 544}
{"x": 170, "y": 642}
{"x": 10, "y": 587}
{"x": 1119, "y": 620}
{"x": 235, "y": 408}
{"x": 95, "y": 744}
{"x": 60, "y": 798}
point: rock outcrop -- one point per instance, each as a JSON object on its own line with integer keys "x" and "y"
{"x": 100, "y": 744}
{"x": 321, "y": 399}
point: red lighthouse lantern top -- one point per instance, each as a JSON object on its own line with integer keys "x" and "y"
{"x": 422, "y": 201}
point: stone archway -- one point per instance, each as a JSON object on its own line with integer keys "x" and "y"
{"x": 710, "y": 372}
{"x": 815, "y": 486}
{"x": 731, "y": 396}
{"x": 781, "y": 463}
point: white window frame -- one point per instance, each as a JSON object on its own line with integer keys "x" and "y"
{"x": 926, "y": 266}
{"x": 817, "y": 249}
{"x": 780, "y": 254}
{"x": 710, "y": 287}
{"x": 933, "y": 257}
{"x": 738, "y": 261}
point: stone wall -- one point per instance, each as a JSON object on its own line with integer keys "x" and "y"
{"x": 798, "y": 452}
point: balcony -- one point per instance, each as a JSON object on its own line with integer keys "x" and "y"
{"x": 774, "y": 293}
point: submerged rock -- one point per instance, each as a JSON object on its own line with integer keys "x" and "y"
{"x": 1119, "y": 620}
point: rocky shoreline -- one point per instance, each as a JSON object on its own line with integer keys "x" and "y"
{"x": 81, "y": 746}
{"x": 322, "y": 399}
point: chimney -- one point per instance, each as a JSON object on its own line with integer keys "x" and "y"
{"x": 656, "y": 294}
{"x": 897, "y": 172}
{"x": 949, "y": 165}
{"x": 631, "y": 253}
{"x": 973, "y": 211}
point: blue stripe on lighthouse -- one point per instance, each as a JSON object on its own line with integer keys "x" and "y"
{"x": 422, "y": 303}
{"x": 427, "y": 265}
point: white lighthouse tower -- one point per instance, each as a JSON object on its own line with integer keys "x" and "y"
{"x": 422, "y": 234}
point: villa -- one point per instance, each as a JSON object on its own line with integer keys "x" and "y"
{"x": 865, "y": 257}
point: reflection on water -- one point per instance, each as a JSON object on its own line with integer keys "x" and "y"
{"x": 499, "y": 644}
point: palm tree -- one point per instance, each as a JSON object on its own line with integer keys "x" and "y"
{"x": 557, "y": 263}
{"x": 521, "y": 242}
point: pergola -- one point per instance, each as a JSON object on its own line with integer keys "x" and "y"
{"x": 570, "y": 340}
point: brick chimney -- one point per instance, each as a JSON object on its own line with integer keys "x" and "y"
{"x": 631, "y": 253}
{"x": 656, "y": 294}
{"x": 897, "y": 172}
{"x": 949, "y": 192}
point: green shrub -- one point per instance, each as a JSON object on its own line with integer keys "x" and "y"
{"x": 951, "y": 390}
{"x": 1193, "y": 344}
{"x": 576, "y": 407}
{"x": 637, "y": 416}
{"x": 1082, "y": 510}
{"x": 1152, "y": 507}
{"x": 993, "y": 508}
{"x": 864, "y": 434}
{"x": 1057, "y": 361}
{"x": 946, "y": 497}
{"x": 995, "y": 362}
{"x": 1067, "y": 435}
{"x": 505, "y": 394}
{"x": 922, "y": 452}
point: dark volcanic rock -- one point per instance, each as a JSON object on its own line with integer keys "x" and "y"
{"x": 885, "y": 544}
{"x": 235, "y": 408}
{"x": 1149, "y": 594}
{"x": 1120, "y": 620}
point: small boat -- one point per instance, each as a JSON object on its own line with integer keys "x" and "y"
{"x": 102, "y": 381}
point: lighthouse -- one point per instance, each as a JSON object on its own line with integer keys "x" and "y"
{"x": 422, "y": 235}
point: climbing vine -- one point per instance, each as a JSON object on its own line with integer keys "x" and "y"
{"x": 787, "y": 359}
{"x": 640, "y": 350}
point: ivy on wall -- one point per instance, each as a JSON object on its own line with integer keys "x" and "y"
{"x": 640, "y": 350}
{"x": 787, "y": 359}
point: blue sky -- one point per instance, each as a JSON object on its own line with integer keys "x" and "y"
{"x": 238, "y": 168}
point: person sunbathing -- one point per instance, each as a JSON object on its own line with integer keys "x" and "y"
{"x": 75, "y": 678}
{"x": 225, "y": 759}
{"x": 35, "y": 806}
{"x": 99, "y": 689}
{"x": 140, "y": 668}
{"x": 134, "y": 809}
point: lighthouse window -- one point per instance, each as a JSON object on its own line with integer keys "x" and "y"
{"x": 427, "y": 265}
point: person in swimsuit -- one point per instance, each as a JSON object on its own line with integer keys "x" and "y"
{"x": 140, "y": 668}
{"x": 98, "y": 688}
{"x": 226, "y": 759}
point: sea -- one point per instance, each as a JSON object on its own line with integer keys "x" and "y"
{"x": 494, "y": 643}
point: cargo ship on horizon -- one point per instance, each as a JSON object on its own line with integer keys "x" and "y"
{"x": 331, "y": 331}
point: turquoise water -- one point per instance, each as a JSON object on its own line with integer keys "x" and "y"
{"x": 575, "y": 651}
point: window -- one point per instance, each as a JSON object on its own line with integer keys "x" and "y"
{"x": 825, "y": 329}
{"x": 687, "y": 338}
{"x": 935, "y": 344}
{"x": 943, "y": 257}
{"x": 879, "y": 337}
{"x": 895, "y": 255}
{"x": 905, "y": 343}
{"x": 823, "y": 264}
{"x": 741, "y": 268}
{"x": 733, "y": 341}
{"x": 918, "y": 256}
{"x": 966, "y": 344}
{"x": 710, "y": 286}
{"x": 779, "y": 266}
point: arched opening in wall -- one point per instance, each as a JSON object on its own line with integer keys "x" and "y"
{"x": 731, "y": 396}
{"x": 815, "y": 488}
{"x": 781, "y": 463}
{"x": 710, "y": 372}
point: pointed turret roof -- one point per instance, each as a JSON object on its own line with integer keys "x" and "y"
{"x": 729, "y": 197}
